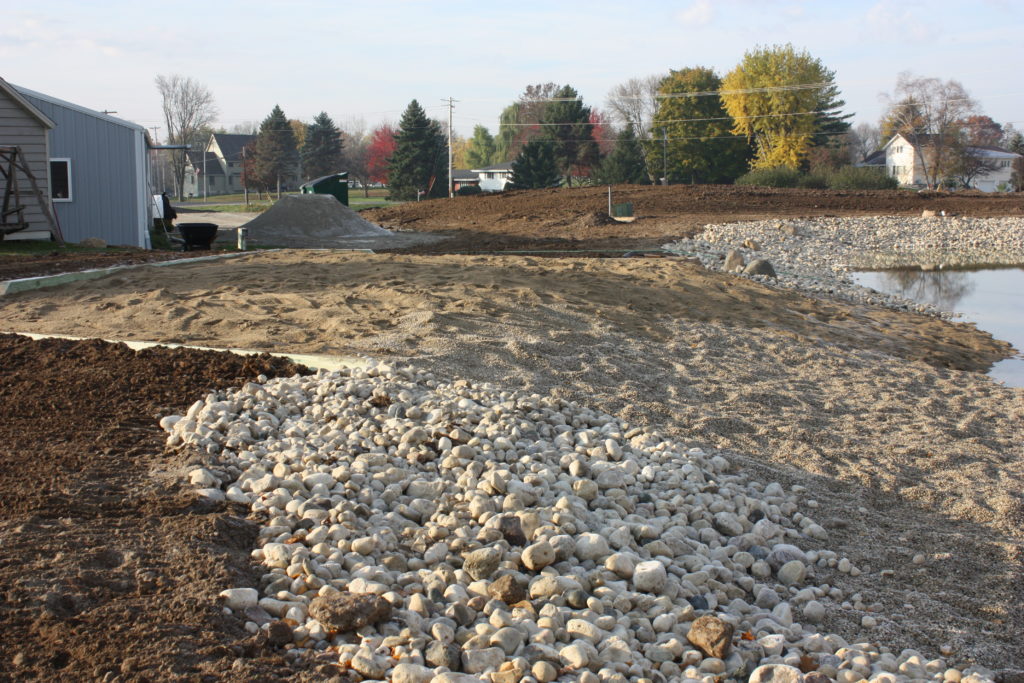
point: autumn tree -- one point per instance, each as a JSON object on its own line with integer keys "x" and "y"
{"x": 569, "y": 131}
{"x": 777, "y": 97}
{"x": 379, "y": 149}
{"x": 981, "y": 131}
{"x": 482, "y": 150}
{"x": 188, "y": 107}
{"x": 272, "y": 157}
{"x": 321, "y": 151}
{"x": 928, "y": 113}
{"x": 520, "y": 121}
{"x": 625, "y": 163}
{"x": 697, "y": 136}
{"x": 535, "y": 167}
{"x": 299, "y": 129}
{"x": 419, "y": 162}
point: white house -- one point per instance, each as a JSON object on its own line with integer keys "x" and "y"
{"x": 903, "y": 162}
{"x": 494, "y": 178}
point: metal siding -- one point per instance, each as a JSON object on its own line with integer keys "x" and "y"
{"x": 104, "y": 172}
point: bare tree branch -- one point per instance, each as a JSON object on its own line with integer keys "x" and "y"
{"x": 188, "y": 107}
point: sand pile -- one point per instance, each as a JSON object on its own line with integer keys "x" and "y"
{"x": 317, "y": 221}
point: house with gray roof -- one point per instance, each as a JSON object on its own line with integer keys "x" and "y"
{"x": 223, "y": 168}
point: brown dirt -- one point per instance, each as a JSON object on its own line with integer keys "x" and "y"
{"x": 576, "y": 218}
{"x": 59, "y": 260}
{"x": 110, "y": 572}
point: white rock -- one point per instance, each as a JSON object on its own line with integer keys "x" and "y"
{"x": 650, "y": 577}
{"x": 240, "y": 598}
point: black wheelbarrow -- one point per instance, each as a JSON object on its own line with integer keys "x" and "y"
{"x": 196, "y": 236}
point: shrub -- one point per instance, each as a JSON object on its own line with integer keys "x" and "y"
{"x": 814, "y": 181}
{"x": 780, "y": 176}
{"x": 861, "y": 178}
{"x": 467, "y": 190}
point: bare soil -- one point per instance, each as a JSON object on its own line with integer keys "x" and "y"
{"x": 571, "y": 219}
{"x": 109, "y": 570}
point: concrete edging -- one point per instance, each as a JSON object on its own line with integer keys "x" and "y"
{"x": 312, "y": 360}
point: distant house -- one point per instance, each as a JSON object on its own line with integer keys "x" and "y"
{"x": 464, "y": 178}
{"x": 903, "y": 162}
{"x": 92, "y": 168}
{"x": 223, "y": 168}
{"x": 494, "y": 178}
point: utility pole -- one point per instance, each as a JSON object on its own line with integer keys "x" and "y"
{"x": 664, "y": 155}
{"x": 451, "y": 182}
{"x": 159, "y": 161}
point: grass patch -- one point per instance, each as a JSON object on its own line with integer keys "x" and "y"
{"x": 39, "y": 247}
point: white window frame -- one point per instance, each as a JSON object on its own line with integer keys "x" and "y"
{"x": 71, "y": 186}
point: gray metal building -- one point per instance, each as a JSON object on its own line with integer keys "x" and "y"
{"x": 98, "y": 173}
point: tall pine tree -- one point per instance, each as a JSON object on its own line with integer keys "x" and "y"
{"x": 420, "y": 159}
{"x": 626, "y": 162}
{"x": 535, "y": 167}
{"x": 321, "y": 150}
{"x": 567, "y": 125}
{"x": 272, "y": 159}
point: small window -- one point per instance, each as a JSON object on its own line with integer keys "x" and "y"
{"x": 60, "y": 180}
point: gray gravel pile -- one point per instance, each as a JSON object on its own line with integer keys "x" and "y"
{"x": 816, "y": 256}
{"x": 420, "y": 530}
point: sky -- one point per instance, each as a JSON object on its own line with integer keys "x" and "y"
{"x": 365, "y": 61}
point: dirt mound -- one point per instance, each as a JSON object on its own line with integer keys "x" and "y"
{"x": 109, "y": 572}
{"x": 562, "y": 218}
{"x": 315, "y": 221}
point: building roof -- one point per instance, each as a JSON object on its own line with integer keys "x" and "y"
{"x": 231, "y": 144}
{"x": 213, "y": 166}
{"x": 982, "y": 150}
{"x": 13, "y": 93}
{"x": 507, "y": 166}
{"x": 464, "y": 175}
{"x": 876, "y": 158}
{"x": 83, "y": 110}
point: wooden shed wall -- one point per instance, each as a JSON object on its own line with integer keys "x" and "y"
{"x": 19, "y": 128}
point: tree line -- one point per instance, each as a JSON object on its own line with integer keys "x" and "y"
{"x": 780, "y": 107}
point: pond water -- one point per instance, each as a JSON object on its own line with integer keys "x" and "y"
{"x": 992, "y": 298}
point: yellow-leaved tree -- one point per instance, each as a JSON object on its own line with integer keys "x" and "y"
{"x": 779, "y": 98}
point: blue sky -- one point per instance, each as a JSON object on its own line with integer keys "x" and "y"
{"x": 369, "y": 59}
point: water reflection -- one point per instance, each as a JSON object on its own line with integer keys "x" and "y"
{"x": 943, "y": 289}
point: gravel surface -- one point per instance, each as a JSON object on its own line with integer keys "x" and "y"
{"x": 494, "y": 532}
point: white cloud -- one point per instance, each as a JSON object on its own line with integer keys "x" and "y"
{"x": 900, "y": 19}
{"x": 699, "y": 13}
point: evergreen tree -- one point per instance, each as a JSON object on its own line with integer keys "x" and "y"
{"x": 272, "y": 156}
{"x": 569, "y": 128}
{"x": 626, "y": 162}
{"x": 419, "y": 162}
{"x": 321, "y": 150}
{"x": 694, "y": 131}
{"x": 482, "y": 150}
{"x": 535, "y": 167}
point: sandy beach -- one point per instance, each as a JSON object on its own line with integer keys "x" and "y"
{"x": 882, "y": 416}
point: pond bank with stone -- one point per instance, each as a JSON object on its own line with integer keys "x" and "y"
{"x": 817, "y": 255}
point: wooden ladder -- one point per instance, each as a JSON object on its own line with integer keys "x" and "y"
{"x": 12, "y": 160}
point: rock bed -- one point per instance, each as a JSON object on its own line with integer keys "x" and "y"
{"x": 816, "y": 256}
{"x": 421, "y": 530}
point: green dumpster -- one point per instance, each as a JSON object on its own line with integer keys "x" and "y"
{"x": 335, "y": 184}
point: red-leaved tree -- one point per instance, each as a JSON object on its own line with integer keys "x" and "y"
{"x": 380, "y": 149}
